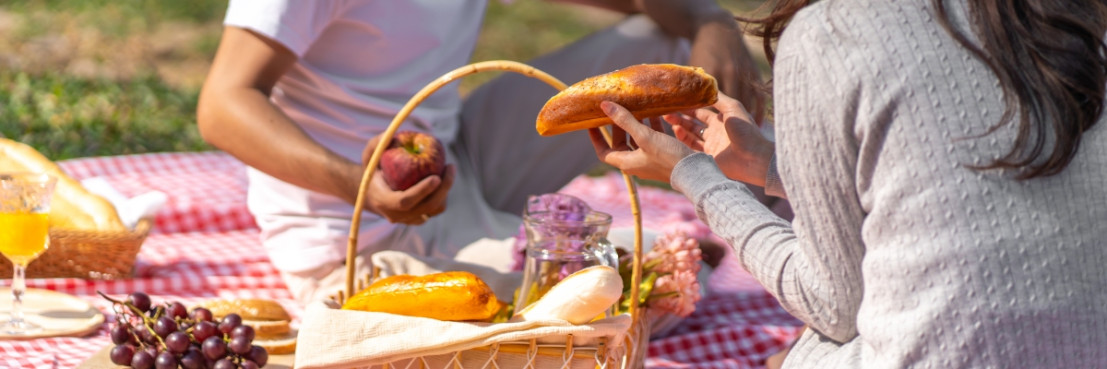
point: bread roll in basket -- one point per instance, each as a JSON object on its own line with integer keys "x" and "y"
{"x": 87, "y": 238}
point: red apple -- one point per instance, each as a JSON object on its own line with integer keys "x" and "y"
{"x": 410, "y": 157}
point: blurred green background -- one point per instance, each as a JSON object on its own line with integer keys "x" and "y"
{"x": 95, "y": 77}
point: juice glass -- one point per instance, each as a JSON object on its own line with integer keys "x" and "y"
{"x": 24, "y": 210}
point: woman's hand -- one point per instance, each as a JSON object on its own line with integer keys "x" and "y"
{"x": 650, "y": 154}
{"x": 730, "y": 136}
{"x": 414, "y": 205}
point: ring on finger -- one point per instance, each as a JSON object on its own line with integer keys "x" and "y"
{"x": 702, "y": 130}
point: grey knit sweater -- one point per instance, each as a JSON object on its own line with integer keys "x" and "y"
{"x": 900, "y": 256}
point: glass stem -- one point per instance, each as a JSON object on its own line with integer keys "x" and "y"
{"x": 19, "y": 285}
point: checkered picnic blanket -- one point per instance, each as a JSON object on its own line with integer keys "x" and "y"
{"x": 206, "y": 246}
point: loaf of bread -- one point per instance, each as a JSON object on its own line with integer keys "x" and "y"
{"x": 270, "y": 321}
{"x": 72, "y": 206}
{"x": 647, "y": 90}
{"x": 451, "y": 296}
{"x": 579, "y": 298}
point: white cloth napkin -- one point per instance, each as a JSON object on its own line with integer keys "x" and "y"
{"x": 130, "y": 210}
{"x": 333, "y": 338}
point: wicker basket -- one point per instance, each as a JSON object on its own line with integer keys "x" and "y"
{"x": 87, "y": 254}
{"x": 627, "y": 354}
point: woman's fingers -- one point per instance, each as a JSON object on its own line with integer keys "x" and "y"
{"x": 686, "y": 130}
{"x": 625, "y": 120}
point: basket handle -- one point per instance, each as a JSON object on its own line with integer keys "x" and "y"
{"x": 493, "y": 65}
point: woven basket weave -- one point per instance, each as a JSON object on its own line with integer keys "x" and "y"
{"x": 87, "y": 254}
{"x": 608, "y": 355}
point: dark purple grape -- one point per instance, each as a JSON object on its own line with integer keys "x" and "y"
{"x": 247, "y": 364}
{"x": 244, "y": 331}
{"x": 193, "y": 359}
{"x": 177, "y": 310}
{"x": 152, "y": 350}
{"x": 229, "y": 322}
{"x": 258, "y": 355}
{"x": 139, "y": 300}
{"x": 177, "y": 342}
{"x": 120, "y": 334}
{"x": 239, "y": 345}
{"x": 202, "y": 330}
{"x": 184, "y": 326}
{"x": 164, "y": 326}
{"x": 214, "y": 348}
{"x": 142, "y": 360}
{"x": 165, "y": 360}
{"x": 200, "y": 314}
{"x": 122, "y": 354}
{"x": 224, "y": 364}
{"x": 145, "y": 335}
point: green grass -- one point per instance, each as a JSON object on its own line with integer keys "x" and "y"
{"x": 65, "y": 117}
{"x": 148, "y": 57}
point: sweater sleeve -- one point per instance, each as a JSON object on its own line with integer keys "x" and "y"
{"x": 812, "y": 266}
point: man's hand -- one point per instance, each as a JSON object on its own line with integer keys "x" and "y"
{"x": 719, "y": 48}
{"x": 414, "y": 205}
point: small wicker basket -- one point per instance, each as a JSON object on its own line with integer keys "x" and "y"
{"x": 87, "y": 254}
{"x": 627, "y": 354}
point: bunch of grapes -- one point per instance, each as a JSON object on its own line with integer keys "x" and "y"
{"x": 170, "y": 336}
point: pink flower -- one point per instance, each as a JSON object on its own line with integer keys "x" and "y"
{"x": 687, "y": 292}
{"x": 675, "y": 258}
{"x": 674, "y": 252}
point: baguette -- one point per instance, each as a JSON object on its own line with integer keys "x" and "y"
{"x": 647, "y": 90}
{"x": 450, "y": 296}
{"x": 72, "y": 206}
{"x": 579, "y": 298}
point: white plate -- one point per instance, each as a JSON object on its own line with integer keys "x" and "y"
{"x": 57, "y": 313}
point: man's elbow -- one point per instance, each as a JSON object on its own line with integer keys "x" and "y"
{"x": 207, "y": 117}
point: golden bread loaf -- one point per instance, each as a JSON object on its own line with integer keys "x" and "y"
{"x": 271, "y": 322}
{"x": 72, "y": 206}
{"x": 647, "y": 90}
{"x": 451, "y": 296}
{"x": 248, "y": 309}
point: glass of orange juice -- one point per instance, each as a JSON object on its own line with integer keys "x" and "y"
{"x": 24, "y": 211}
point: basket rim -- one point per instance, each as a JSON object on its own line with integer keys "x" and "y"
{"x": 141, "y": 230}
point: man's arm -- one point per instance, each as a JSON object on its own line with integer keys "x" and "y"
{"x": 235, "y": 115}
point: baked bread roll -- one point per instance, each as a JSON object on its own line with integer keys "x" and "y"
{"x": 579, "y": 298}
{"x": 449, "y": 296}
{"x": 72, "y": 206}
{"x": 271, "y": 322}
{"x": 647, "y": 90}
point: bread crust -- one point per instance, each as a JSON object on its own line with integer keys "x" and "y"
{"x": 248, "y": 309}
{"x": 72, "y": 206}
{"x": 646, "y": 90}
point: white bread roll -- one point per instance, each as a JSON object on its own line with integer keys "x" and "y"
{"x": 71, "y": 206}
{"x": 579, "y": 298}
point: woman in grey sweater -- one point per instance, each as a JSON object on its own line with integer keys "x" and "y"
{"x": 946, "y": 164}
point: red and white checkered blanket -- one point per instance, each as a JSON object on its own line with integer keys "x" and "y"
{"x": 205, "y": 245}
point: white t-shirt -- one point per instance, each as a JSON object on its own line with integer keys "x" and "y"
{"x": 359, "y": 63}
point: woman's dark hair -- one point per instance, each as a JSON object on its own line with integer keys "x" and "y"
{"x": 1049, "y": 56}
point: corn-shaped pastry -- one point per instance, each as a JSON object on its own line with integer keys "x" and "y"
{"x": 453, "y": 296}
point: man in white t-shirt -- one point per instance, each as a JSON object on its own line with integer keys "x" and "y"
{"x": 298, "y": 90}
